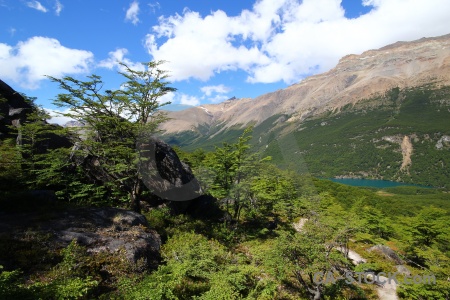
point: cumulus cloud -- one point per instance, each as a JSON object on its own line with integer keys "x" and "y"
{"x": 58, "y": 7}
{"x": 218, "y": 98}
{"x": 215, "y": 93}
{"x": 132, "y": 13}
{"x": 169, "y": 97}
{"x": 118, "y": 56}
{"x": 286, "y": 40}
{"x": 37, "y": 5}
{"x": 188, "y": 100}
{"x": 29, "y": 61}
{"x": 219, "y": 89}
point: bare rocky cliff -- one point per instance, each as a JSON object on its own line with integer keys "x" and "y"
{"x": 356, "y": 77}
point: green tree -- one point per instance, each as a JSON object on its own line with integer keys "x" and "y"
{"x": 10, "y": 165}
{"x": 235, "y": 166}
{"x": 33, "y": 135}
{"x": 307, "y": 257}
{"x": 274, "y": 193}
{"x": 115, "y": 121}
{"x": 430, "y": 226}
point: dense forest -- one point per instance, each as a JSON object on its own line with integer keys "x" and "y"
{"x": 259, "y": 232}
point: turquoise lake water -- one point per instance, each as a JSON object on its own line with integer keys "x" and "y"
{"x": 372, "y": 183}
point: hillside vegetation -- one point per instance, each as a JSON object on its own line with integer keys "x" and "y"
{"x": 258, "y": 231}
{"x": 362, "y": 140}
{"x": 254, "y": 250}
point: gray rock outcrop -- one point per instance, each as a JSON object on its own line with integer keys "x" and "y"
{"x": 13, "y": 109}
{"x": 107, "y": 230}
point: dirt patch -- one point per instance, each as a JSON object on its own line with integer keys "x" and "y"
{"x": 384, "y": 194}
{"x": 407, "y": 149}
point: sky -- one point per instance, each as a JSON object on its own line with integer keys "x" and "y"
{"x": 214, "y": 50}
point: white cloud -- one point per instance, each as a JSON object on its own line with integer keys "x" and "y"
{"x": 287, "y": 39}
{"x": 219, "y": 89}
{"x": 218, "y": 98}
{"x": 37, "y": 5}
{"x": 28, "y": 62}
{"x": 154, "y": 6}
{"x": 197, "y": 47}
{"x": 56, "y": 116}
{"x": 132, "y": 13}
{"x": 169, "y": 97}
{"x": 58, "y": 7}
{"x": 118, "y": 56}
{"x": 189, "y": 100}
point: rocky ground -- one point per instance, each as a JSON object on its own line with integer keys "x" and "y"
{"x": 108, "y": 230}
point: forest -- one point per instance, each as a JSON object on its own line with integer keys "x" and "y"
{"x": 264, "y": 231}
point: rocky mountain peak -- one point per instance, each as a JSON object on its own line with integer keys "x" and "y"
{"x": 355, "y": 77}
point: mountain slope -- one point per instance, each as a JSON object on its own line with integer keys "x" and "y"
{"x": 384, "y": 114}
{"x": 356, "y": 77}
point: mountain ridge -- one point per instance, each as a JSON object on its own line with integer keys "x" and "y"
{"x": 355, "y": 77}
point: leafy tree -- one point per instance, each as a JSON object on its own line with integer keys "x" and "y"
{"x": 235, "y": 166}
{"x": 10, "y": 165}
{"x": 306, "y": 255}
{"x": 115, "y": 121}
{"x": 33, "y": 136}
{"x": 375, "y": 222}
{"x": 431, "y": 226}
{"x": 274, "y": 193}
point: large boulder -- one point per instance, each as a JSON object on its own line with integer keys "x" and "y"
{"x": 13, "y": 109}
{"x": 165, "y": 175}
{"x": 108, "y": 230}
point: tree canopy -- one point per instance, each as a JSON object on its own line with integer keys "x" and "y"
{"x": 114, "y": 121}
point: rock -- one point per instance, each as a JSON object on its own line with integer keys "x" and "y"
{"x": 165, "y": 175}
{"x": 13, "y": 109}
{"x": 98, "y": 229}
{"x": 387, "y": 252}
{"x": 442, "y": 142}
{"x": 354, "y": 257}
{"x": 299, "y": 225}
{"x": 13, "y": 112}
{"x": 403, "y": 270}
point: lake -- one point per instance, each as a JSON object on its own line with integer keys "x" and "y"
{"x": 372, "y": 182}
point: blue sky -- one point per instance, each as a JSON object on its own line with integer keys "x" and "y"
{"x": 215, "y": 49}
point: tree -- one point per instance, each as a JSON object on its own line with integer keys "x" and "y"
{"x": 33, "y": 135}
{"x": 114, "y": 122}
{"x": 235, "y": 167}
{"x": 308, "y": 257}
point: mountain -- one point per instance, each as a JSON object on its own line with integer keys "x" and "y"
{"x": 383, "y": 114}
{"x": 356, "y": 77}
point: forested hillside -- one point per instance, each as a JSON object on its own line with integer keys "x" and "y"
{"x": 364, "y": 140}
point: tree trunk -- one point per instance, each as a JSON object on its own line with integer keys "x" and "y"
{"x": 236, "y": 209}
{"x": 135, "y": 199}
